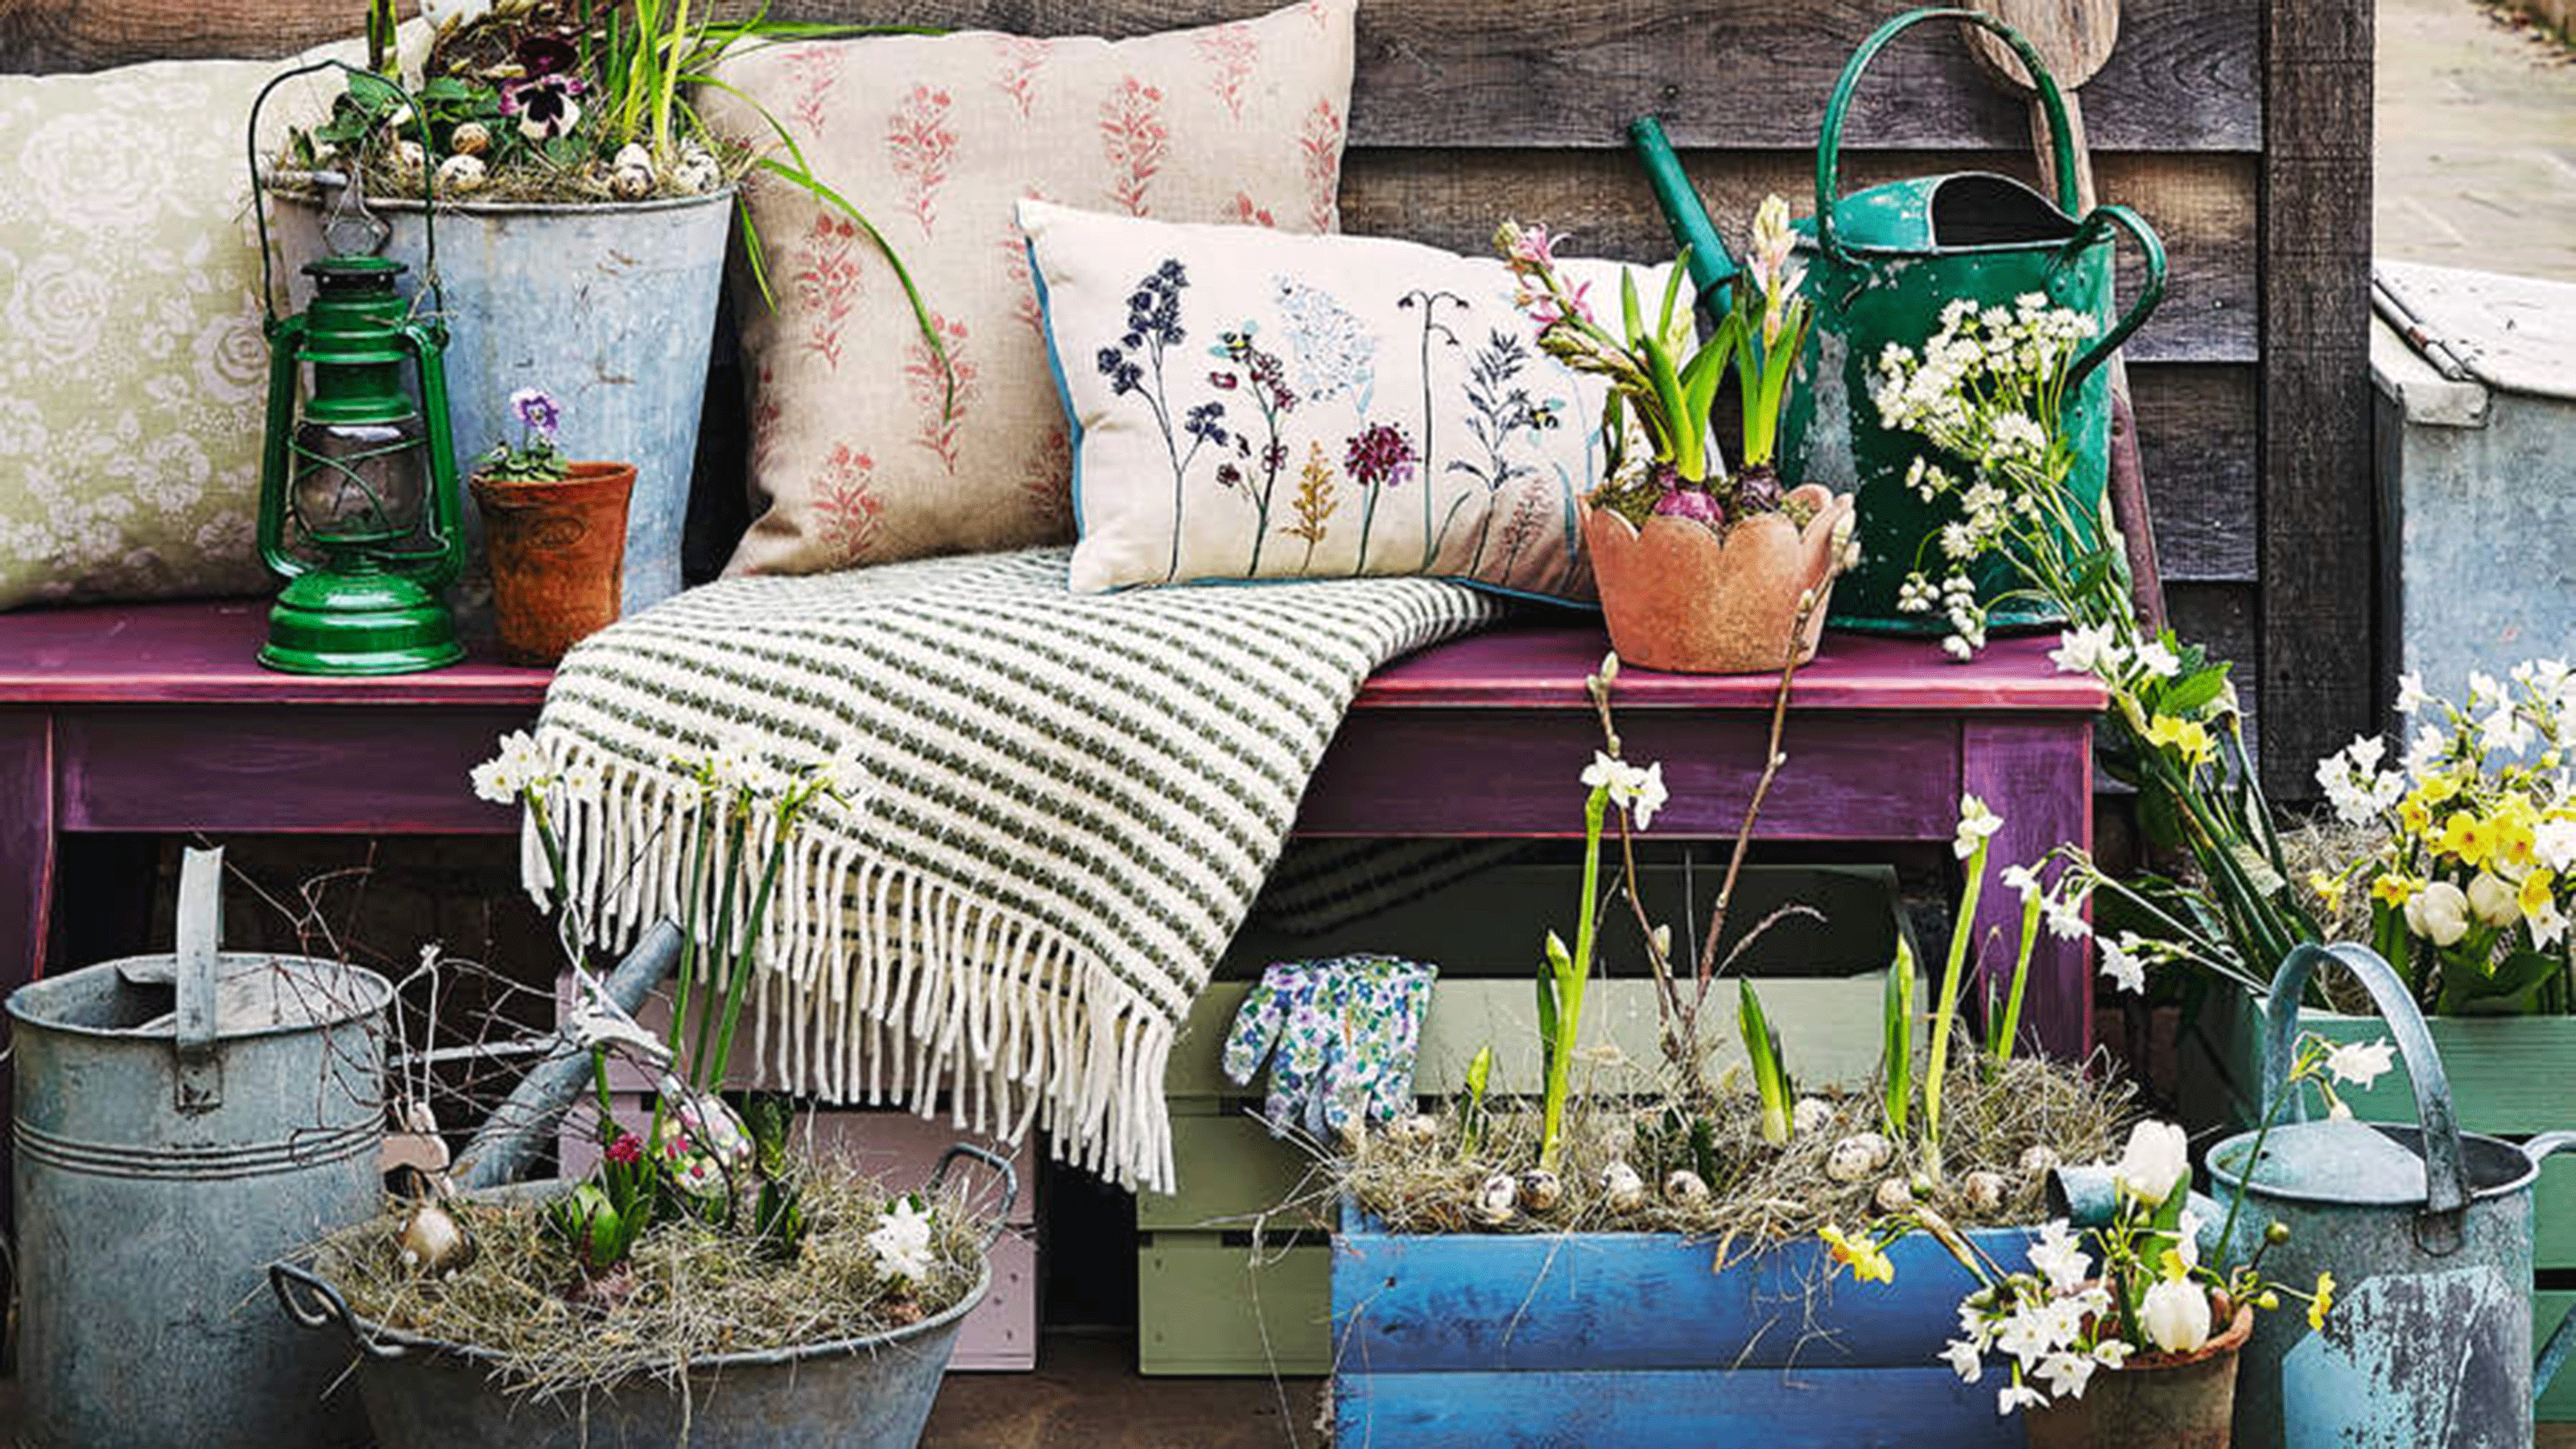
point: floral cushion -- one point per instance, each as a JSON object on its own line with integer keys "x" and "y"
{"x": 1257, "y": 406}
{"x": 133, "y": 372}
{"x": 857, "y": 455}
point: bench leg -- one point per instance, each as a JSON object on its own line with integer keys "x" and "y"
{"x": 2039, "y": 778}
{"x": 29, "y": 847}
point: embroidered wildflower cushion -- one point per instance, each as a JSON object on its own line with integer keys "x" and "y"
{"x": 1257, "y": 406}
{"x": 856, "y": 456}
{"x": 133, "y": 373}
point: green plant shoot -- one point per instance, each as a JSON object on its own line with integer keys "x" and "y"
{"x": 1900, "y": 1038}
{"x": 1471, "y": 1112}
{"x": 1561, "y": 984}
{"x": 1977, "y": 826}
{"x": 1770, "y": 1068}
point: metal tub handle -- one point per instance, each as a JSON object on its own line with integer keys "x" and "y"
{"x": 2437, "y": 1231}
{"x": 313, "y": 1303}
{"x": 1001, "y": 1166}
{"x": 2562, "y": 1340}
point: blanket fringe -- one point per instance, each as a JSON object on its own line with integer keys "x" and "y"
{"x": 874, "y": 984}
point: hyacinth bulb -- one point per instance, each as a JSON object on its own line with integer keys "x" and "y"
{"x": 1757, "y": 490}
{"x": 1696, "y": 504}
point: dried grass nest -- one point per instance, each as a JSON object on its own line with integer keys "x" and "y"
{"x": 698, "y": 1292}
{"x": 1762, "y": 1194}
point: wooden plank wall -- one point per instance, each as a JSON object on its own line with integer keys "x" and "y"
{"x": 2250, "y": 382}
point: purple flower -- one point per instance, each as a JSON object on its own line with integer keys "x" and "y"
{"x": 537, "y": 411}
{"x": 1380, "y": 457}
{"x": 543, "y": 104}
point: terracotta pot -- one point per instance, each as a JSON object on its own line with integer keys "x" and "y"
{"x": 2173, "y": 1401}
{"x": 1679, "y": 596}
{"x": 558, "y": 554}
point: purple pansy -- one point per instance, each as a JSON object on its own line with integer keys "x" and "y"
{"x": 537, "y": 410}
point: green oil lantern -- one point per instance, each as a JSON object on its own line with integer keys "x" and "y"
{"x": 358, "y": 505}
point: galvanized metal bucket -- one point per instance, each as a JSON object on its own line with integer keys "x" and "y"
{"x": 1883, "y": 264}
{"x": 611, "y": 308}
{"x": 2428, "y": 1233}
{"x": 861, "y": 1393}
{"x": 183, "y": 1120}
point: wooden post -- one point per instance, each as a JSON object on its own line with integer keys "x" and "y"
{"x": 2318, "y": 546}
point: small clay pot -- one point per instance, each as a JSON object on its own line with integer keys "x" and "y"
{"x": 558, "y": 553}
{"x": 2186, "y": 1401}
{"x": 1680, "y": 596}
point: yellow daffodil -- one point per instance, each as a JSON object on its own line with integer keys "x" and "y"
{"x": 2467, "y": 838}
{"x": 2329, "y": 888}
{"x": 2414, "y": 814}
{"x": 2392, "y": 890}
{"x": 2438, "y": 788}
{"x": 2188, "y": 737}
{"x": 2323, "y": 1302}
{"x": 1867, "y": 1263}
{"x": 2538, "y": 888}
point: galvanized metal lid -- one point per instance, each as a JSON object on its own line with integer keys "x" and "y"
{"x": 2341, "y": 1160}
{"x": 2515, "y": 334}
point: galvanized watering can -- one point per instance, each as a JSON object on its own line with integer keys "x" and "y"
{"x": 181, "y": 1121}
{"x": 1883, "y": 264}
{"x": 2428, "y": 1233}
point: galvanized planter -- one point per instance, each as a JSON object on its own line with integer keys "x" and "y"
{"x": 182, "y": 1120}
{"x": 2507, "y": 1077}
{"x": 864, "y": 1393}
{"x": 859, "y": 1393}
{"x": 611, "y": 308}
{"x": 1630, "y": 1339}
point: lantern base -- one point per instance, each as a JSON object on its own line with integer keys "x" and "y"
{"x": 375, "y": 623}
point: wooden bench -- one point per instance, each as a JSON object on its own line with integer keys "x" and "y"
{"x": 157, "y": 719}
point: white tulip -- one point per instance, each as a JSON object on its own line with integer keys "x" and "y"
{"x": 2175, "y": 1315}
{"x": 2158, "y": 1159}
{"x": 2493, "y": 901}
{"x": 2439, "y": 913}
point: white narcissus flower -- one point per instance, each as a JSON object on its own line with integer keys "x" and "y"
{"x": 1965, "y": 1359}
{"x": 901, "y": 1241}
{"x": 2175, "y": 1315}
{"x": 1977, "y": 824}
{"x": 2504, "y": 731}
{"x": 2548, "y": 925}
{"x": 2091, "y": 650}
{"x": 2156, "y": 661}
{"x": 2554, "y": 841}
{"x": 2410, "y": 692}
{"x": 2022, "y": 881}
{"x": 2066, "y": 1373}
{"x": 2122, "y": 965}
{"x": 2157, "y": 1160}
{"x": 2493, "y": 901}
{"x": 2066, "y": 917}
{"x": 2439, "y": 913}
{"x": 497, "y": 782}
{"x": 2360, "y": 1063}
{"x": 2059, "y": 1258}
{"x": 2019, "y": 1396}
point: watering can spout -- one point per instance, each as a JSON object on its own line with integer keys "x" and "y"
{"x": 1712, "y": 266}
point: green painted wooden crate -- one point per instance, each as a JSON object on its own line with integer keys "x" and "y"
{"x": 2508, "y": 1078}
{"x": 1226, "y": 1284}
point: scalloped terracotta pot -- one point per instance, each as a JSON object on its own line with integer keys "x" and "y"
{"x": 1679, "y": 596}
{"x": 558, "y": 555}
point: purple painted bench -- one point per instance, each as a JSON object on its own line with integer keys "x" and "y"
{"x": 156, "y": 719}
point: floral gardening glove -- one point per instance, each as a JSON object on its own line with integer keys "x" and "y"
{"x": 1341, "y": 1036}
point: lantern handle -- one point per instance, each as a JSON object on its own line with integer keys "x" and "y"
{"x": 428, "y": 184}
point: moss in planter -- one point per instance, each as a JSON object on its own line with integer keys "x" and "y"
{"x": 1760, "y": 1194}
{"x": 696, "y": 1292}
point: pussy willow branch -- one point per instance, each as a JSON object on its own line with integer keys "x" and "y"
{"x": 1772, "y": 760}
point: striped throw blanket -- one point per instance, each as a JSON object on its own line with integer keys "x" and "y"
{"x": 1076, "y": 799}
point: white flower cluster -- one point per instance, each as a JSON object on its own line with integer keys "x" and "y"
{"x": 2355, "y": 785}
{"x": 2061, "y": 905}
{"x": 2040, "y": 1323}
{"x": 1637, "y": 789}
{"x": 901, "y": 1241}
{"x": 2097, "y": 650}
{"x": 520, "y": 768}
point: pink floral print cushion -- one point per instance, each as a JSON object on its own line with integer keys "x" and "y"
{"x": 1260, "y": 406}
{"x": 858, "y": 454}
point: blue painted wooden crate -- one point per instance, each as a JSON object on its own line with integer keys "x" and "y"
{"x": 1633, "y": 1339}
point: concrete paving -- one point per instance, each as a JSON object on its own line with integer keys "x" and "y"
{"x": 1085, "y": 1392}
{"x": 2476, "y": 141}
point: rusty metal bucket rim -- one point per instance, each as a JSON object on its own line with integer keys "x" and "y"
{"x": 23, "y": 1003}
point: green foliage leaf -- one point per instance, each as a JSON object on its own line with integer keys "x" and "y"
{"x": 2502, "y": 988}
{"x": 2193, "y": 691}
{"x": 1898, "y": 1026}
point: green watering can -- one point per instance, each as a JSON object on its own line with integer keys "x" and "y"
{"x": 1881, "y": 264}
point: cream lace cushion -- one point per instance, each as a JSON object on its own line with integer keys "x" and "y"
{"x": 857, "y": 456}
{"x": 1257, "y": 406}
{"x": 133, "y": 372}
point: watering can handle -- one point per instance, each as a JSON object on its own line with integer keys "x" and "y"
{"x": 2097, "y": 221}
{"x": 1000, "y": 1165}
{"x": 2562, "y": 1340}
{"x": 194, "y": 971}
{"x": 1829, "y": 144}
{"x": 2445, "y": 1183}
